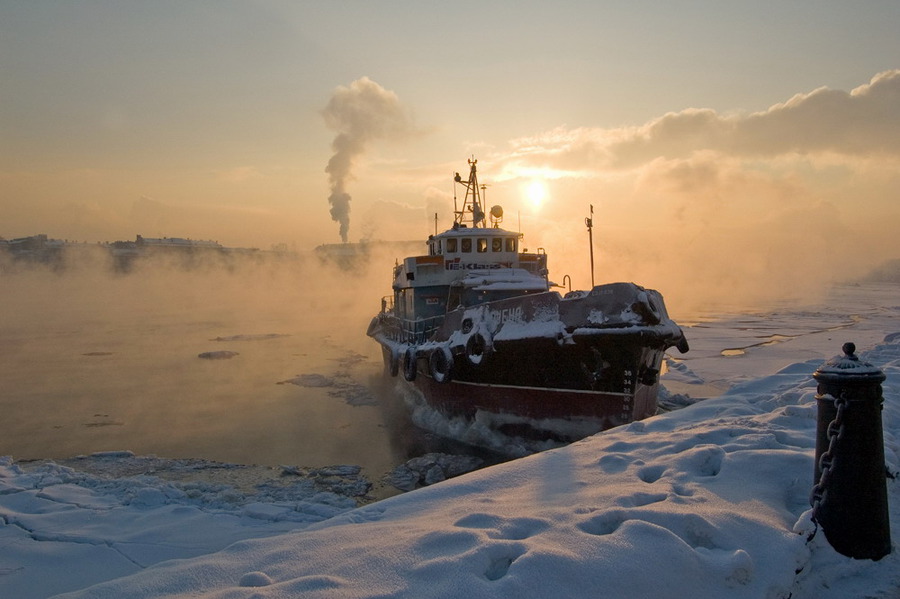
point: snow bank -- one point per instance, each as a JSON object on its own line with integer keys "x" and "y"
{"x": 707, "y": 502}
{"x": 63, "y": 529}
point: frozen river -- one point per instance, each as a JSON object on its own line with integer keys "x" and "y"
{"x": 267, "y": 364}
{"x": 715, "y": 493}
{"x": 253, "y": 367}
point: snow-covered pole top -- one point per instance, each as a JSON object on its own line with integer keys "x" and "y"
{"x": 848, "y": 368}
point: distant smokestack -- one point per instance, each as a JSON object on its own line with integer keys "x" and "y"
{"x": 359, "y": 114}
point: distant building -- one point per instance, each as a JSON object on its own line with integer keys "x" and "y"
{"x": 177, "y": 242}
{"x": 35, "y": 248}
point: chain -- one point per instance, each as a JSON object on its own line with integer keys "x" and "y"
{"x": 835, "y": 432}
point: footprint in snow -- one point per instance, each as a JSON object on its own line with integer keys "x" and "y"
{"x": 498, "y": 527}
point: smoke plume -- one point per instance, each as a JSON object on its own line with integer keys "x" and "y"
{"x": 360, "y": 114}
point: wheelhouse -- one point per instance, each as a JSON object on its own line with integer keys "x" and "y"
{"x": 469, "y": 264}
{"x": 492, "y": 244}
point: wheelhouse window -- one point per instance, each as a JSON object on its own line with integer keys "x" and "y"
{"x": 496, "y": 244}
{"x": 510, "y": 244}
{"x": 466, "y": 244}
{"x": 482, "y": 245}
{"x": 451, "y": 246}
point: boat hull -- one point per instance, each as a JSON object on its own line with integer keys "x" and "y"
{"x": 539, "y": 366}
{"x": 560, "y": 394}
{"x": 535, "y": 412}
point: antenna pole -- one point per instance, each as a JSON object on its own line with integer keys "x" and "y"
{"x": 435, "y": 223}
{"x": 589, "y": 221}
{"x": 456, "y": 213}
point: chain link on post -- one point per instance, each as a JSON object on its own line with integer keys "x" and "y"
{"x": 826, "y": 460}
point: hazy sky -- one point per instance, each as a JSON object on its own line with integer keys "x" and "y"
{"x": 704, "y": 126}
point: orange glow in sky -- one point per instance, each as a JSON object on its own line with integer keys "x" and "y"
{"x": 537, "y": 193}
{"x": 700, "y": 147}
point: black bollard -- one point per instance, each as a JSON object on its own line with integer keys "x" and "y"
{"x": 850, "y": 495}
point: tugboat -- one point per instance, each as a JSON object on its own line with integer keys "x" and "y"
{"x": 476, "y": 328}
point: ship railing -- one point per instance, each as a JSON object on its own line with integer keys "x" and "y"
{"x": 411, "y": 330}
{"x": 420, "y": 330}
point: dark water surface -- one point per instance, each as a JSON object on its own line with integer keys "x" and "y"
{"x": 261, "y": 364}
{"x": 268, "y": 363}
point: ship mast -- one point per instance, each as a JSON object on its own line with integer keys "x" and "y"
{"x": 471, "y": 213}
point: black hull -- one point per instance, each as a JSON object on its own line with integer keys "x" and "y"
{"x": 539, "y": 389}
{"x": 539, "y": 365}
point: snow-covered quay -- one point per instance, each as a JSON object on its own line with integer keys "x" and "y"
{"x": 709, "y": 501}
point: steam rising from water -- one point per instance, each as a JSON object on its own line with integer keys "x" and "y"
{"x": 360, "y": 114}
{"x": 91, "y": 360}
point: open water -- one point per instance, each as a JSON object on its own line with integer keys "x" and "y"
{"x": 256, "y": 362}
{"x": 260, "y": 362}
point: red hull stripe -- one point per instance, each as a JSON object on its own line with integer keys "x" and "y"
{"x": 539, "y": 389}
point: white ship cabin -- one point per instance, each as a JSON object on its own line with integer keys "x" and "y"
{"x": 466, "y": 266}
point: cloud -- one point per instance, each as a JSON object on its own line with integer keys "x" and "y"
{"x": 862, "y": 122}
{"x": 713, "y": 207}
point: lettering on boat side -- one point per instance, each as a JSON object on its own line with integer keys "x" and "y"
{"x": 456, "y": 265}
{"x": 501, "y": 316}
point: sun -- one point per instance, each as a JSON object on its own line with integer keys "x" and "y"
{"x": 536, "y": 192}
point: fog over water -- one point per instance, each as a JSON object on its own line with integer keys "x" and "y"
{"x": 246, "y": 359}
{"x": 91, "y": 360}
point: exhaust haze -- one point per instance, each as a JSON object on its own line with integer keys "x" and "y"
{"x": 360, "y": 114}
